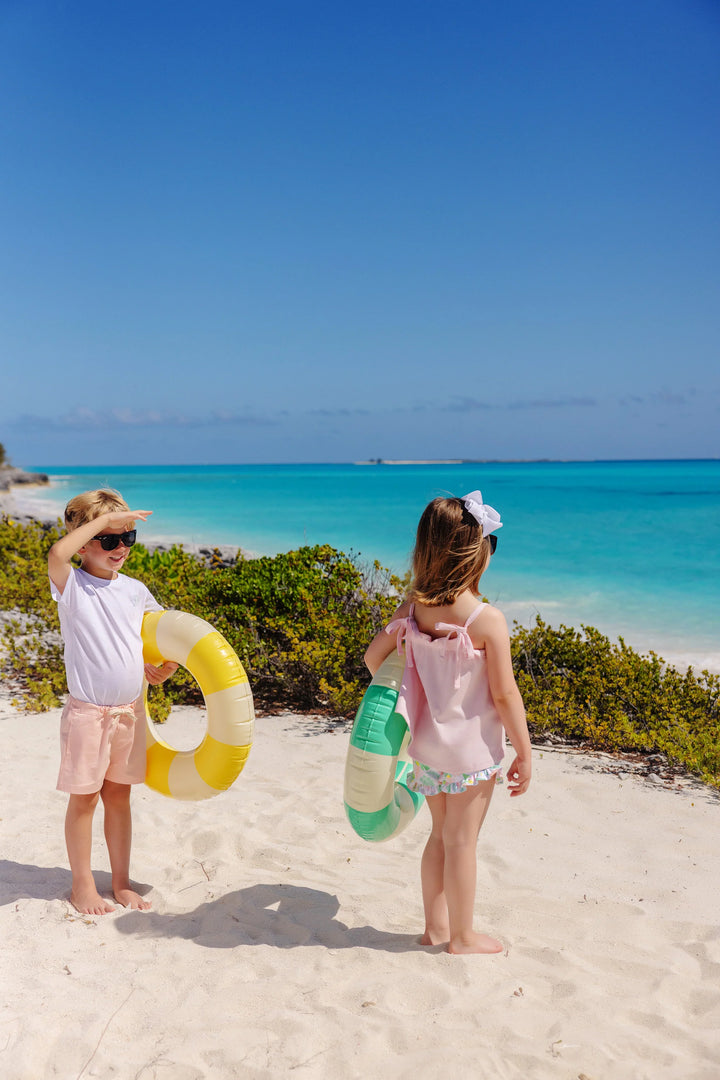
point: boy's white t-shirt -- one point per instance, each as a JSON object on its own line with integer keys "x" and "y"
{"x": 100, "y": 621}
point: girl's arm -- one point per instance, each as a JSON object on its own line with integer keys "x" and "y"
{"x": 60, "y": 554}
{"x": 506, "y": 695}
{"x": 383, "y": 643}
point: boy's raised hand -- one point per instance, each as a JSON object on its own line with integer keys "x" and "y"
{"x": 118, "y": 519}
{"x": 61, "y": 553}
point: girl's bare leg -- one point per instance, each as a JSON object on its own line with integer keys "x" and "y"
{"x": 464, "y": 815}
{"x": 78, "y": 838}
{"x": 118, "y": 836}
{"x": 432, "y": 871}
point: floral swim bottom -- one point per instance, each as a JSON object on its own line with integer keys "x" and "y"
{"x": 427, "y": 781}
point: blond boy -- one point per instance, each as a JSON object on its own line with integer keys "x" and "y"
{"x": 103, "y": 723}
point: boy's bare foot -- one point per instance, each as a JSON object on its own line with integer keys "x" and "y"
{"x": 89, "y": 902}
{"x": 475, "y": 943}
{"x": 129, "y": 898}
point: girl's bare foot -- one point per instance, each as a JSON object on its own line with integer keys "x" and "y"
{"x": 434, "y": 937}
{"x": 129, "y": 898}
{"x": 475, "y": 943}
{"x": 88, "y": 901}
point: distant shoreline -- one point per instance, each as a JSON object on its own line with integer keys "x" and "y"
{"x": 523, "y": 461}
{"x": 51, "y": 471}
{"x": 454, "y": 461}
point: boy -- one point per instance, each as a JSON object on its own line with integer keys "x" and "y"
{"x": 102, "y": 731}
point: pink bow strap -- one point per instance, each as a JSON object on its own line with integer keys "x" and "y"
{"x": 400, "y": 626}
{"x": 461, "y": 633}
{"x": 466, "y": 646}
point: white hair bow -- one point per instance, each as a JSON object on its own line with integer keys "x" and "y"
{"x": 486, "y": 516}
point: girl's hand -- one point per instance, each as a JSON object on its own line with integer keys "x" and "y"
{"x": 157, "y": 675}
{"x": 519, "y": 776}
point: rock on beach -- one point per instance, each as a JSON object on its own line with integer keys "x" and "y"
{"x": 10, "y": 476}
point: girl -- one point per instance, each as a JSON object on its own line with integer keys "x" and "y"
{"x": 457, "y": 695}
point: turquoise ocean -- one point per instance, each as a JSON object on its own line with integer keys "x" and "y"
{"x": 632, "y": 548}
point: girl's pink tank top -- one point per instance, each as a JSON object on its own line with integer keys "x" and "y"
{"x": 445, "y": 698}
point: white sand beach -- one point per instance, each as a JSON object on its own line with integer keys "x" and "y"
{"x": 280, "y": 944}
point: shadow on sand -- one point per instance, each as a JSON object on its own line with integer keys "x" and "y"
{"x": 24, "y": 881}
{"x": 283, "y": 916}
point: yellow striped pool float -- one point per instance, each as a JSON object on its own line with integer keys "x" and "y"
{"x": 378, "y": 804}
{"x": 220, "y": 758}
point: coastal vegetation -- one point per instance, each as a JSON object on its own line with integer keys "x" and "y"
{"x": 301, "y": 621}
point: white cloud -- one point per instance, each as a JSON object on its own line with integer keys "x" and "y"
{"x": 83, "y": 418}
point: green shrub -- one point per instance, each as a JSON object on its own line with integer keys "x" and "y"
{"x": 578, "y": 685}
{"x": 29, "y": 642}
{"x": 23, "y": 566}
{"x": 301, "y": 621}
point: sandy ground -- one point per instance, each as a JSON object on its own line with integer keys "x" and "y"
{"x": 280, "y": 944}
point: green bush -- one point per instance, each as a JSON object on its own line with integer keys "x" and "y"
{"x": 578, "y": 685}
{"x": 301, "y": 621}
{"x": 30, "y": 642}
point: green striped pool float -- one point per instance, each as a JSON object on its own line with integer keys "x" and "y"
{"x": 377, "y": 802}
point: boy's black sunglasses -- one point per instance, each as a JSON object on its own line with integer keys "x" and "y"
{"x": 111, "y": 540}
{"x": 493, "y": 543}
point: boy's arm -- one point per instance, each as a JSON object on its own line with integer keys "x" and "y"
{"x": 157, "y": 675}
{"x": 61, "y": 553}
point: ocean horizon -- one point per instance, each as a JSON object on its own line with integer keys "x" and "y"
{"x": 630, "y": 547}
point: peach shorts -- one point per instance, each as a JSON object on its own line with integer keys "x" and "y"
{"x": 101, "y": 742}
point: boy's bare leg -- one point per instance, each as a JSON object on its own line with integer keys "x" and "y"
{"x": 464, "y": 816}
{"x": 432, "y": 869}
{"x": 78, "y": 838}
{"x": 118, "y": 836}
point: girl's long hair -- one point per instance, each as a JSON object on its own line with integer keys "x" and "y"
{"x": 450, "y": 553}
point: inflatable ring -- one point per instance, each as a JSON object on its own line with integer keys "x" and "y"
{"x": 219, "y": 759}
{"x": 377, "y": 802}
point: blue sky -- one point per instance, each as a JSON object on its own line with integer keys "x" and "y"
{"x": 302, "y": 231}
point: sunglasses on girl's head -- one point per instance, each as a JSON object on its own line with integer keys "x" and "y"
{"x": 111, "y": 540}
{"x": 493, "y": 543}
